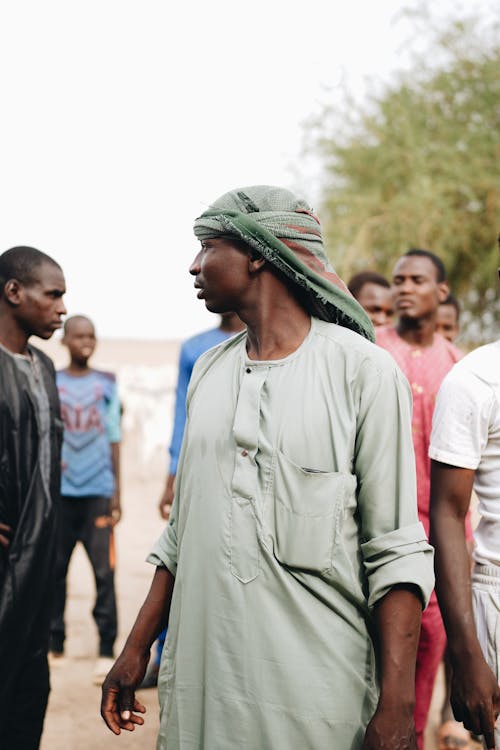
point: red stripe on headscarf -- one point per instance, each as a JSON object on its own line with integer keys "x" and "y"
{"x": 314, "y": 263}
{"x": 309, "y": 213}
{"x": 305, "y": 230}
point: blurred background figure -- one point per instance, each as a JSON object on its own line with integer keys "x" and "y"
{"x": 452, "y": 735}
{"x": 373, "y": 292}
{"x": 419, "y": 286}
{"x": 191, "y": 349}
{"x": 448, "y": 318}
{"x": 90, "y": 488}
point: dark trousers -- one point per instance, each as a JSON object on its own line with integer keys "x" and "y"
{"x": 83, "y": 519}
{"x": 23, "y": 710}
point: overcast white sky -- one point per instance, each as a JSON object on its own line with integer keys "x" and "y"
{"x": 121, "y": 121}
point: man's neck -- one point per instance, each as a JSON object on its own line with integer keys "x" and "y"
{"x": 78, "y": 368}
{"x": 419, "y": 332}
{"x": 232, "y": 324}
{"x": 275, "y": 329}
{"x": 12, "y": 337}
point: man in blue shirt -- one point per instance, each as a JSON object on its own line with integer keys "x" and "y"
{"x": 90, "y": 486}
{"x": 191, "y": 349}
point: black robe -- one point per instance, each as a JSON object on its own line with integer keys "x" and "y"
{"x": 26, "y": 568}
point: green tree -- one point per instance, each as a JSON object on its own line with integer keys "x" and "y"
{"x": 419, "y": 165}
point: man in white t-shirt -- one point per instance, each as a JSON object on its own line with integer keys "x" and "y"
{"x": 465, "y": 453}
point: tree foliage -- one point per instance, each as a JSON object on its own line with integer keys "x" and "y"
{"x": 419, "y": 165}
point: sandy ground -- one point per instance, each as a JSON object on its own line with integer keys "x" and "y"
{"x": 73, "y": 721}
{"x": 147, "y": 372}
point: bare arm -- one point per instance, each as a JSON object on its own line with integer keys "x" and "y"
{"x": 475, "y": 695}
{"x": 116, "y": 508}
{"x": 398, "y": 616}
{"x": 166, "y": 500}
{"x": 118, "y": 690}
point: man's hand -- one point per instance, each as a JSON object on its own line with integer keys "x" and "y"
{"x": 166, "y": 500}
{"x": 475, "y": 698}
{"x": 5, "y": 536}
{"x": 391, "y": 729}
{"x": 118, "y": 691}
{"x": 115, "y": 509}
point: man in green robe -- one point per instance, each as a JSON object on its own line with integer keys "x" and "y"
{"x": 294, "y": 570}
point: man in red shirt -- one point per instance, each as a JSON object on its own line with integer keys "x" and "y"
{"x": 419, "y": 286}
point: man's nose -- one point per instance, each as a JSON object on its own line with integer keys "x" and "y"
{"x": 194, "y": 268}
{"x": 406, "y": 285}
{"x": 61, "y": 307}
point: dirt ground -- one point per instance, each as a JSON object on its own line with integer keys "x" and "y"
{"x": 73, "y": 721}
{"x": 147, "y": 376}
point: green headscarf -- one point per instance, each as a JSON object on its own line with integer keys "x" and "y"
{"x": 285, "y": 231}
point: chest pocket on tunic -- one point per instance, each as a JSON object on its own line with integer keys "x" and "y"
{"x": 308, "y": 512}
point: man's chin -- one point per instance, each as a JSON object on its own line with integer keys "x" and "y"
{"x": 213, "y": 307}
{"x": 46, "y": 334}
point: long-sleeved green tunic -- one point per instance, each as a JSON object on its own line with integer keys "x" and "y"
{"x": 294, "y": 513}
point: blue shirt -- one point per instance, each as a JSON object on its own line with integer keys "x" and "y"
{"x": 90, "y": 409}
{"x": 191, "y": 349}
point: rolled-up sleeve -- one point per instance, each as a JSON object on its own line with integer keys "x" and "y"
{"x": 164, "y": 552}
{"x": 394, "y": 546}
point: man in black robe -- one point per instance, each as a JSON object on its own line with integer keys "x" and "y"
{"x": 31, "y": 289}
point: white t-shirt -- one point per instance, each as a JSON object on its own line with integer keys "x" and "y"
{"x": 466, "y": 433}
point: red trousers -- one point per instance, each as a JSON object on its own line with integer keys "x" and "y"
{"x": 430, "y": 652}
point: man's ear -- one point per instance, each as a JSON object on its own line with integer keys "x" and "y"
{"x": 12, "y": 292}
{"x": 255, "y": 262}
{"x": 443, "y": 291}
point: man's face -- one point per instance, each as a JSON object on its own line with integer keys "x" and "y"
{"x": 80, "y": 339}
{"x": 447, "y": 322}
{"x": 221, "y": 274}
{"x": 41, "y": 307}
{"x": 377, "y": 302}
{"x": 416, "y": 290}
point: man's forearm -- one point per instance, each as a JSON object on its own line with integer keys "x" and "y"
{"x": 450, "y": 498}
{"x": 398, "y": 617}
{"x": 115, "y": 464}
{"x": 453, "y": 585}
{"x": 153, "y": 615}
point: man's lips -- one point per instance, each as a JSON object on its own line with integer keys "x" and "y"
{"x": 402, "y": 304}
{"x": 200, "y": 290}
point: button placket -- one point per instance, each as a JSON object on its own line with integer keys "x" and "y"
{"x": 244, "y": 537}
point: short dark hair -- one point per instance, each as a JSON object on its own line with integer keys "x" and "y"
{"x": 21, "y": 263}
{"x": 73, "y": 319}
{"x": 451, "y": 300}
{"x": 357, "y": 282}
{"x": 437, "y": 262}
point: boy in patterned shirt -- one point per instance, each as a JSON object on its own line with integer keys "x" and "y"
{"x": 90, "y": 485}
